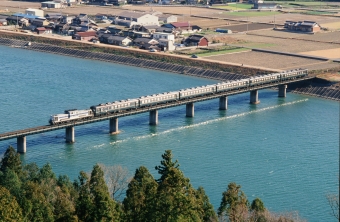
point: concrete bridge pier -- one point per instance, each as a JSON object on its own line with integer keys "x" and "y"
{"x": 282, "y": 90}
{"x": 153, "y": 117}
{"x": 21, "y": 144}
{"x": 70, "y": 134}
{"x": 223, "y": 103}
{"x": 190, "y": 110}
{"x": 254, "y": 97}
{"x": 114, "y": 126}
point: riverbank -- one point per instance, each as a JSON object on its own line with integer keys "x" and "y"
{"x": 157, "y": 61}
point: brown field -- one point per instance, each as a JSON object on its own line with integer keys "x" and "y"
{"x": 328, "y": 53}
{"x": 284, "y": 45}
{"x": 274, "y": 61}
{"x": 247, "y": 27}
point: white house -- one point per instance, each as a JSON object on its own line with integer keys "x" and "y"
{"x": 129, "y": 19}
{"x": 165, "y": 39}
{"x": 50, "y": 5}
{"x": 167, "y": 19}
{"x": 35, "y": 12}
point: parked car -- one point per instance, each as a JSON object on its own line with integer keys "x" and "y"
{"x": 153, "y": 50}
{"x": 194, "y": 56}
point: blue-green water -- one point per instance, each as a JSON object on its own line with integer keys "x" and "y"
{"x": 283, "y": 150}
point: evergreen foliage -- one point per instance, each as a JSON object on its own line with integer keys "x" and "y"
{"x": 11, "y": 160}
{"x": 30, "y": 193}
{"x": 234, "y": 203}
{"x": 140, "y": 195}
{"x": 10, "y": 210}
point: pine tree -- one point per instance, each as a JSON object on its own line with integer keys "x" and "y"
{"x": 84, "y": 202}
{"x": 11, "y": 160}
{"x": 234, "y": 203}
{"x": 205, "y": 208}
{"x": 138, "y": 203}
{"x": 105, "y": 208}
{"x": 175, "y": 199}
{"x": 10, "y": 210}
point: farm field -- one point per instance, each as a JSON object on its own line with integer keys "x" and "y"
{"x": 274, "y": 61}
{"x": 247, "y": 27}
{"x": 258, "y": 25}
{"x": 284, "y": 45}
{"x": 328, "y": 53}
{"x": 234, "y": 6}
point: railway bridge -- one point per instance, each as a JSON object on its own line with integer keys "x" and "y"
{"x": 153, "y": 110}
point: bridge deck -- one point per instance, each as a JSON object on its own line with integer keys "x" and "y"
{"x": 41, "y": 129}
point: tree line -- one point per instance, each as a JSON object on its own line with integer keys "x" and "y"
{"x": 30, "y": 193}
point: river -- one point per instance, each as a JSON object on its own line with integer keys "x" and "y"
{"x": 283, "y": 150}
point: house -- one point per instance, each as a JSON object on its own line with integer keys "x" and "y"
{"x": 62, "y": 27}
{"x": 167, "y": 19}
{"x": 36, "y": 12}
{"x": 40, "y": 22}
{"x": 196, "y": 40}
{"x": 55, "y": 17}
{"x": 149, "y": 28}
{"x": 305, "y": 26}
{"x": 40, "y": 30}
{"x": 67, "y": 19}
{"x": 81, "y": 18}
{"x": 166, "y": 40}
{"x": 84, "y": 35}
{"x": 101, "y": 17}
{"x": 17, "y": 20}
{"x": 165, "y": 29}
{"x": 137, "y": 2}
{"x": 3, "y": 22}
{"x": 51, "y": 5}
{"x": 143, "y": 42}
{"x": 141, "y": 34}
{"x": 265, "y": 6}
{"x": 113, "y": 30}
{"x": 129, "y": 19}
{"x": 184, "y": 27}
{"x": 118, "y": 2}
{"x": 103, "y": 38}
{"x": 119, "y": 40}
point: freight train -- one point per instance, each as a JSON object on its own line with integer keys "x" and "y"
{"x": 118, "y": 106}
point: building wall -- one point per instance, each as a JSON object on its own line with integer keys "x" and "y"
{"x": 316, "y": 28}
{"x": 50, "y": 5}
{"x": 148, "y": 20}
{"x": 203, "y": 42}
{"x": 171, "y": 18}
{"x": 35, "y": 12}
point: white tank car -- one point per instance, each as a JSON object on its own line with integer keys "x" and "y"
{"x": 69, "y": 115}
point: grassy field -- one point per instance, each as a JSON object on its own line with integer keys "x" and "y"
{"x": 252, "y": 14}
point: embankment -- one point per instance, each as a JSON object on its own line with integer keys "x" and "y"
{"x": 317, "y": 88}
{"x": 133, "y": 57}
{"x": 158, "y": 61}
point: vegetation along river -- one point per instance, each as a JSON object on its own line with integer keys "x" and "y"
{"x": 283, "y": 150}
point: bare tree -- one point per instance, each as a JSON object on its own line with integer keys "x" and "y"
{"x": 117, "y": 179}
{"x": 333, "y": 201}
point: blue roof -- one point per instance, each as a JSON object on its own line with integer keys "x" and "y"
{"x": 27, "y": 16}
